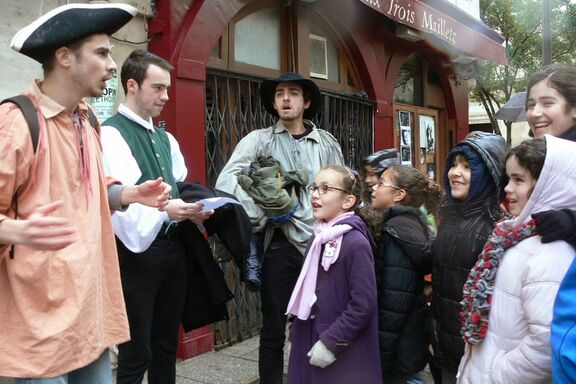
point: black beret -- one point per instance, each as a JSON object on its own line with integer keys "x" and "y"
{"x": 67, "y": 24}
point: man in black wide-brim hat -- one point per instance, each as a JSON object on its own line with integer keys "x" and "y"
{"x": 60, "y": 292}
{"x": 296, "y": 143}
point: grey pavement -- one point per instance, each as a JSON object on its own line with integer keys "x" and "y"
{"x": 236, "y": 364}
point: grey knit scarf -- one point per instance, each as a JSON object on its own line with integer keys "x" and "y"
{"x": 479, "y": 287}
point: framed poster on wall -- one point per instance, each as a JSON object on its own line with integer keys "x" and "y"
{"x": 405, "y": 155}
{"x": 405, "y": 133}
{"x": 404, "y": 119}
{"x": 427, "y": 136}
{"x": 405, "y": 136}
{"x": 428, "y": 133}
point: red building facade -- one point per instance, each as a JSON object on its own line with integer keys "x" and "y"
{"x": 404, "y": 62}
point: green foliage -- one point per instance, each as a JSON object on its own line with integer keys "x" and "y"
{"x": 520, "y": 23}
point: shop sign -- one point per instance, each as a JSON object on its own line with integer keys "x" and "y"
{"x": 417, "y": 15}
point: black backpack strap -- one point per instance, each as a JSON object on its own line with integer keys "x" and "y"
{"x": 29, "y": 111}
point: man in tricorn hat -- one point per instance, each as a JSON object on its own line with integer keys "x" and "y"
{"x": 296, "y": 144}
{"x": 60, "y": 293}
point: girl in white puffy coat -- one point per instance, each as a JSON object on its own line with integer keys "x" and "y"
{"x": 509, "y": 295}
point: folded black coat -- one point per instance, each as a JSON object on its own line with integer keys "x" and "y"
{"x": 230, "y": 222}
{"x": 207, "y": 291}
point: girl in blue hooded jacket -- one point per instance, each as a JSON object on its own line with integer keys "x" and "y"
{"x": 474, "y": 189}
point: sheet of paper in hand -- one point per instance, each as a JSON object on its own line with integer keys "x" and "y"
{"x": 215, "y": 202}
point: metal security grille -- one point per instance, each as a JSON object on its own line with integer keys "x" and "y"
{"x": 351, "y": 120}
{"x": 233, "y": 109}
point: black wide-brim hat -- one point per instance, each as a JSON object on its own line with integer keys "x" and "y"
{"x": 67, "y": 24}
{"x": 268, "y": 88}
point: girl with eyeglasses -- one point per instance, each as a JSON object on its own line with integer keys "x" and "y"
{"x": 473, "y": 182}
{"x": 401, "y": 263}
{"x": 335, "y": 331}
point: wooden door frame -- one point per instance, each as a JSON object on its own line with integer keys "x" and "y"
{"x": 439, "y": 133}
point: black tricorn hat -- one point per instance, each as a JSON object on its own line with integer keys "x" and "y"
{"x": 268, "y": 87}
{"x": 67, "y": 24}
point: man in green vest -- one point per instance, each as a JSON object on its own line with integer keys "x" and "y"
{"x": 152, "y": 258}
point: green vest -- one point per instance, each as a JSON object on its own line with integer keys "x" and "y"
{"x": 150, "y": 149}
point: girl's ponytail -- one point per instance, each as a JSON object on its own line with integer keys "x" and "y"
{"x": 433, "y": 195}
{"x": 419, "y": 190}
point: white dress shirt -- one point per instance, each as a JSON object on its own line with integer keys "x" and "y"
{"x": 137, "y": 226}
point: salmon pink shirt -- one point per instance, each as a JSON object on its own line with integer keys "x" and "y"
{"x": 59, "y": 310}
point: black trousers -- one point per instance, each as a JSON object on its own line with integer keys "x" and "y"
{"x": 280, "y": 269}
{"x": 154, "y": 284}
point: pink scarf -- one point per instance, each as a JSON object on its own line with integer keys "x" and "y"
{"x": 303, "y": 295}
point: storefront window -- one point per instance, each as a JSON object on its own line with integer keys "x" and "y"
{"x": 257, "y": 39}
{"x": 409, "y": 88}
{"x": 323, "y": 59}
{"x": 261, "y": 40}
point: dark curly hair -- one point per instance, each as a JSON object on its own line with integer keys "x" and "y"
{"x": 419, "y": 191}
{"x": 530, "y": 154}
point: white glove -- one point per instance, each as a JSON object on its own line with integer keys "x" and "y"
{"x": 321, "y": 356}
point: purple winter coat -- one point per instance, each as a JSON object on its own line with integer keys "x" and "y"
{"x": 345, "y": 317}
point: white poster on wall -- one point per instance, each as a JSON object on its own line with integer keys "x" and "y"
{"x": 404, "y": 119}
{"x": 427, "y": 133}
{"x": 405, "y": 155}
{"x": 104, "y": 105}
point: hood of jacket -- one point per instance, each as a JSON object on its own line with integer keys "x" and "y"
{"x": 555, "y": 187}
{"x": 490, "y": 150}
{"x": 358, "y": 224}
{"x": 406, "y": 224}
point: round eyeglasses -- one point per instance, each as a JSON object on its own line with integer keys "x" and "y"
{"x": 323, "y": 189}
{"x": 382, "y": 183}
